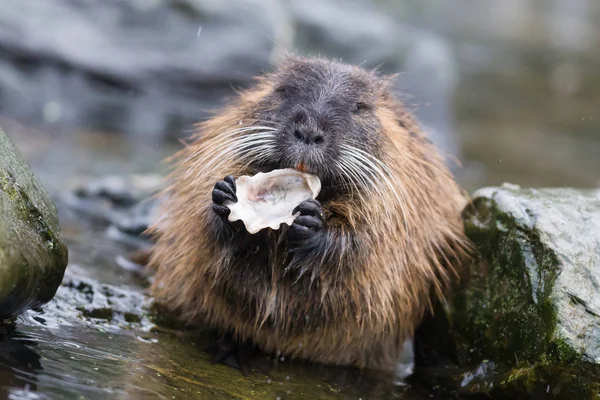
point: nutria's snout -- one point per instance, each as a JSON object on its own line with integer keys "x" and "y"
{"x": 307, "y": 143}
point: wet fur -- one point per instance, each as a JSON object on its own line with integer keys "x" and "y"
{"x": 352, "y": 293}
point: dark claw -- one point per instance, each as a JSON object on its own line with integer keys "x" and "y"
{"x": 310, "y": 207}
{"x": 224, "y": 353}
{"x": 228, "y": 188}
{"x": 224, "y": 191}
{"x": 308, "y": 223}
{"x": 298, "y": 233}
{"x": 222, "y": 211}
{"x": 231, "y": 180}
{"x": 220, "y": 196}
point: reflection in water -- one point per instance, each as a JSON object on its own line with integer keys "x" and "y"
{"x": 63, "y": 362}
{"x": 70, "y": 362}
{"x": 19, "y": 363}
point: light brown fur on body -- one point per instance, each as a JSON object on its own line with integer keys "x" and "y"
{"x": 355, "y": 310}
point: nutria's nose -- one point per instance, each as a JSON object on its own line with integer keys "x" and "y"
{"x": 308, "y": 136}
{"x": 306, "y": 130}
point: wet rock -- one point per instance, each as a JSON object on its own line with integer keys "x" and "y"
{"x": 530, "y": 303}
{"x": 33, "y": 256}
{"x": 126, "y": 204}
{"x": 86, "y": 302}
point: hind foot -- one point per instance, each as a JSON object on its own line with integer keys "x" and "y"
{"x": 242, "y": 356}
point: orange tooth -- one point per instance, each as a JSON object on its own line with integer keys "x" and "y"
{"x": 300, "y": 167}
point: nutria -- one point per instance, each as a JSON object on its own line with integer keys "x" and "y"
{"x": 350, "y": 279}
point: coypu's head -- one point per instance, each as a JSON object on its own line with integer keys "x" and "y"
{"x": 319, "y": 117}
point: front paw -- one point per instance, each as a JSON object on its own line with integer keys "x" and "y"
{"x": 223, "y": 192}
{"x": 308, "y": 223}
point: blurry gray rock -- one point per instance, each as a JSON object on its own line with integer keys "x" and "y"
{"x": 127, "y": 205}
{"x": 33, "y": 256}
{"x": 530, "y": 303}
{"x": 143, "y": 66}
{"x": 155, "y": 67}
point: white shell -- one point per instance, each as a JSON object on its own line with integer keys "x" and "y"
{"x": 266, "y": 200}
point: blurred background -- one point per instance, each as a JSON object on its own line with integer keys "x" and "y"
{"x": 510, "y": 88}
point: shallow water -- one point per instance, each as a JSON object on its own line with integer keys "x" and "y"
{"x": 79, "y": 362}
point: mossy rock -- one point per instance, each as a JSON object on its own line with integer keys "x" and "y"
{"x": 33, "y": 256}
{"x": 529, "y": 304}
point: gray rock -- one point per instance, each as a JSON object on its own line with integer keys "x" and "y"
{"x": 33, "y": 256}
{"x": 96, "y": 305}
{"x": 155, "y": 67}
{"x": 127, "y": 205}
{"x": 530, "y": 302}
{"x": 137, "y": 66}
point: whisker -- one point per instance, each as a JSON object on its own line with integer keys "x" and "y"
{"x": 207, "y": 154}
{"x": 366, "y": 180}
{"x": 235, "y": 150}
{"x": 263, "y": 151}
{"x": 383, "y": 171}
{"x": 341, "y": 164}
{"x": 211, "y": 148}
{"x": 228, "y": 150}
{"x": 246, "y": 138}
{"x": 233, "y": 132}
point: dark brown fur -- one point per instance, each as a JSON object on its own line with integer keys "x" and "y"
{"x": 360, "y": 293}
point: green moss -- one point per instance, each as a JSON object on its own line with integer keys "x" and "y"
{"x": 33, "y": 253}
{"x": 164, "y": 318}
{"x": 26, "y": 211}
{"x": 99, "y": 313}
{"x": 132, "y": 318}
{"x": 560, "y": 353}
{"x": 502, "y": 309}
{"x": 562, "y": 382}
{"x": 7, "y": 186}
{"x": 520, "y": 379}
{"x": 505, "y": 307}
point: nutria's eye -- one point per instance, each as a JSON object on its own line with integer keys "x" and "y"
{"x": 281, "y": 90}
{"x": 360, "y": 107}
